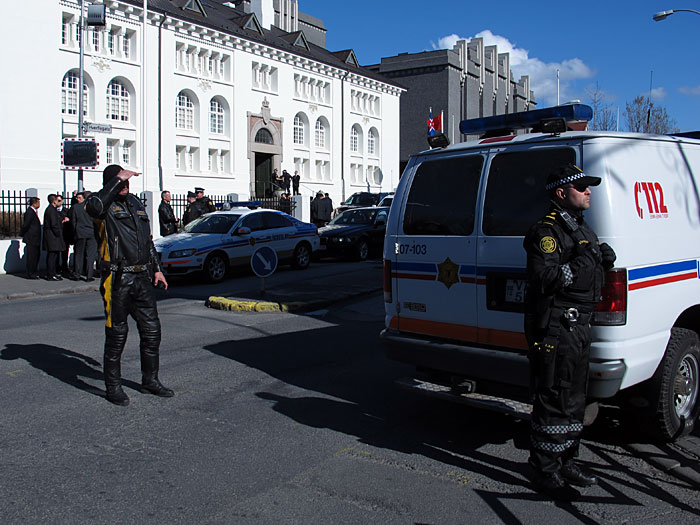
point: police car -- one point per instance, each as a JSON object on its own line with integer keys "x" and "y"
{"x": 454, "y": 264}
{"x": 217, "y": 241}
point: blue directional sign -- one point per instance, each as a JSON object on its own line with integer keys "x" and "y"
{"x": 264, "y": 261}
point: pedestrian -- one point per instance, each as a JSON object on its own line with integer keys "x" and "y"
{"x": 130, "y": 271}
{"x": 277, "y": 182}
{"x": 204, "y": 203}
{"x": 286, "y": 181}
{"x": 31, "y": 237}
{"x": 166, "y": 216}
{"x": 85, "y": 242}
{"x": 192, "y": 210}
{"x": 64, "y": 211}
{"x": 565, "y": 268}
{"x": 296, "y": 178}
{"x": 315, "y": 209}
{"x": 285, "y": 203}
{"x": 326, "y": 209}
{"x": 330, "y": 202}
{"x": 53, "y": 238}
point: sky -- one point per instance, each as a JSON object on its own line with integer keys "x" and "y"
{"x": 614, "y": 46}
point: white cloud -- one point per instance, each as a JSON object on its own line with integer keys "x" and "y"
{"x": 658, "y": 93}
{"x": 695, "y": 91}
{"x": 543, "y": 75}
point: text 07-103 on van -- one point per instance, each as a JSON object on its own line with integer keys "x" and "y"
{"x": 454, "y": 264}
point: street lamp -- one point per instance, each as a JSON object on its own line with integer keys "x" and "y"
{"x": 662, "y": 15}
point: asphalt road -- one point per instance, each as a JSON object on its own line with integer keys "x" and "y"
{"x": 277, "y": 418}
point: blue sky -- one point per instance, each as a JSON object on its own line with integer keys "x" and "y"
{"x": 615, "y": 44}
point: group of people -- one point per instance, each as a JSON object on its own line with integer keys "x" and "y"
{"x": 62, "y": 227}
{"x": 321, "y": 209}
{"x": 286, "y": 182}
{"x": 197, "y": 205}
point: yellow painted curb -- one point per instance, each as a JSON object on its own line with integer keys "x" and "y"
{"x": 240, "y": 305}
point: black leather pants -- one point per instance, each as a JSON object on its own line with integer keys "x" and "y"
{"x": 132, "y": 295}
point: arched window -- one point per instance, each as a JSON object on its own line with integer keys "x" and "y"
{"x": 216, "y": 117}
{"x": 117, "y": 101}
{"x": 320, "y": 136}
{"x": 184, "y": 112}
{"x": 355, "y": 140}
{"x": 298, "y": 130}
{"x": 372, "y": 142}
{"x": 69, "y": 95}
{"x": 263, "y": 136}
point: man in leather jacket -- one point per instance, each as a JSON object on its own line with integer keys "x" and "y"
{"x": 166, "y": 216}
{"x": 566, "y": 267}
{"x": 130, "y": 270}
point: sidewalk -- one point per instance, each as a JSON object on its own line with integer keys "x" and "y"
{"x": 16, "y": 286}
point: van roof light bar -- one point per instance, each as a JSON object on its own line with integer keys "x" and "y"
{"x": 540, "y": 119}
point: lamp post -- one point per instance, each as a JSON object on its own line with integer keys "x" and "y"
{"x": 663, "y": 15}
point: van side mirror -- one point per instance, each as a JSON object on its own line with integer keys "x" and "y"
{"x": 243, "y": 230}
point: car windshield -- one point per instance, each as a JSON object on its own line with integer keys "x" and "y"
{"x": 362, "y": 199}
{"x": 214, "y": 223}
{"x": 355, "y": 217}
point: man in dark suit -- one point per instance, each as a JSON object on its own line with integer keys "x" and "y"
{"x": 168, "y": 221}
{"x": 85, "y": 241}
{"x": 31, "y": 237}
{"x": 53, "y": 238}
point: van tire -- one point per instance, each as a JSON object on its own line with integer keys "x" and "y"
{"x": 675, "y": 385}
{"x": 215, "y": 267}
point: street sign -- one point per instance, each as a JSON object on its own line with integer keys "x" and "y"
{"x": 264, "y": 261}
{"x": 80, "y": 154}
{"x": 93, "y": 127}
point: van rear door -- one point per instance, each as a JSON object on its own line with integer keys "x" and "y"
{"x": 514, "y": 199}
{"x": 435, "y": 248}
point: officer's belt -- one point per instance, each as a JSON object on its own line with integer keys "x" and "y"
{"x": 136, "y": 268}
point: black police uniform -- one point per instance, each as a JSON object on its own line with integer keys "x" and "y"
{"x": 191, "y": 211}
{"x": 166, "y": 217}
{"x": 566, "y": 270}
{"x": 129, "y": 259}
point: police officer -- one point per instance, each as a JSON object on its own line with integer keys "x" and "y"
{"x": 205, "y": 205}
{"x": 130, "y": 270}
{"x": 192, "y": 210}
{"x": 565, "y": 267}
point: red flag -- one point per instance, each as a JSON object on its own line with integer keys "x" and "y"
{"x": 437, "y": 122}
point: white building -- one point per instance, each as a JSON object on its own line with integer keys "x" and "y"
{"x": 208, "y": 93}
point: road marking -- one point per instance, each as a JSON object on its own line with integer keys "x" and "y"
{"x": 14, "y": 373}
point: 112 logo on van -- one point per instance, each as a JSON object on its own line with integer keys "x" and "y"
{"x": 653, "y": 194}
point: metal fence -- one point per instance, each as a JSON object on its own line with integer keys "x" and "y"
{"x": 13, "y": 204}
{"x": 179, "y": 203}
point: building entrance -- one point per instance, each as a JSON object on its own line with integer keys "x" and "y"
{"x": 264, "y": 184}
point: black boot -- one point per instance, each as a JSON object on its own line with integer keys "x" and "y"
{"x": 116, "y": 395}
{"x": 150, "y": 384}
{"x": 554, "y": 486}
{"x": 575, "y": 475}
{"x": 155, "y": 387}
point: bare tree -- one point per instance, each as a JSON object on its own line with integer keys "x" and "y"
{"x": 603, "y": 117}
{"x": 643, "y": 116}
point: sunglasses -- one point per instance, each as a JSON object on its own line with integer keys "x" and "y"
{"x": 580, "y": 187}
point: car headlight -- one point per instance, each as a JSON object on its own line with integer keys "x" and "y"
{"x": 182, "y": 253}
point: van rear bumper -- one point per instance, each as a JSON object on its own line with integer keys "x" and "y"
{"x": 511, "y": 368}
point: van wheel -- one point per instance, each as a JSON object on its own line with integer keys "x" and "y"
{"x": 215, "y": 268}
{"x": 674, "y": 387}
{"x": 302, "y": 256}
{"x": 362, "y": 250}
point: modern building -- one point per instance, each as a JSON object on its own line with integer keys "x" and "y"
{"x": 470, "y": 80}
{"x": 208, "y": 93}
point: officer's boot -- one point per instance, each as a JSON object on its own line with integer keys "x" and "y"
{"x": 114, "y": 344}
{"x": 150, "y": 341}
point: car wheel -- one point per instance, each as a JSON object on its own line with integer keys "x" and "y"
{"x": 215, "y": 268}
{"x": 674, "y": 387}
{"x": 362, "y": 250}
{"x": 302, "y": 256}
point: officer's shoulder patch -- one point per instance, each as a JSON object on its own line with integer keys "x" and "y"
{"x": 548, "y": 244}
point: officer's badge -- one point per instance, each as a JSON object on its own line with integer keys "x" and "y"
{"x": 548, "y": 244}
{"x": 448, "y": 273}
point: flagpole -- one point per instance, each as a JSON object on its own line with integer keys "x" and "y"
{"x": 442, "y": 125}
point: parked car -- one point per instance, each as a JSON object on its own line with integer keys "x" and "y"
{"x": 359, "y": 200}
{"x": 386, "y": 201}
{"x": 217, "y": 241}
{"x": 355, "y": 233}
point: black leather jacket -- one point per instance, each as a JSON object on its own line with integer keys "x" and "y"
{"x": 168, "y": 224}
{"x": 125, "y": 232}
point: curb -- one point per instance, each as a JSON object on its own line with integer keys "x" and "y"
{"x": 235, "y": 304}
{"x": 47, "y": 293}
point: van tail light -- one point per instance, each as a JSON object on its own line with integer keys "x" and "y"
{"x": 612, "y": 308}
{"x": 386, "y": 277}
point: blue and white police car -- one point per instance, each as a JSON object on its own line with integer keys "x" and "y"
{"x": 217, "y": 241}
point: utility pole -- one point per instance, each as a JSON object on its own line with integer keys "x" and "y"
{"x": 81, "y": 86}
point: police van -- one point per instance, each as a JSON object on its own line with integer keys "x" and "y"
{"x": 454, "y": 264}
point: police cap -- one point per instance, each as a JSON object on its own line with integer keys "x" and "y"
{"x": 570, "y": 174}
{"x": 191, "y": 194}
{"x": 199, "y": 190}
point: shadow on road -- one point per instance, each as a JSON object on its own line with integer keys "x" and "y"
{"x": 62, "y": 364}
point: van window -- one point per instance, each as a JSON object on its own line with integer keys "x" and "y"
{"x": 515, "y": 194}
{"x": 442, "y": 200}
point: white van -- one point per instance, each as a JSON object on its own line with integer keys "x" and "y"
{"x": 454, "y": 264}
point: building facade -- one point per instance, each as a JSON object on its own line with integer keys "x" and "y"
{"x": 208, "y": 93}
{"x": 470, "y": 80}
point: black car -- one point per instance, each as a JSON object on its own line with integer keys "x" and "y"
{"x": 355, "y": 233}
{"x": 359, "y": 200}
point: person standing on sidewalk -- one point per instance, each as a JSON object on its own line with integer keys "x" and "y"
{"x": 166, "y": 216}
{"x": 53, "y": 238}
{"x": 130, "y": 271}
{"x": 31, "y": 237}
{"x": 85, "y": 242}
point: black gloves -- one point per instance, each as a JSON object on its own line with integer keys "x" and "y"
{"x": 608, "y": 255}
